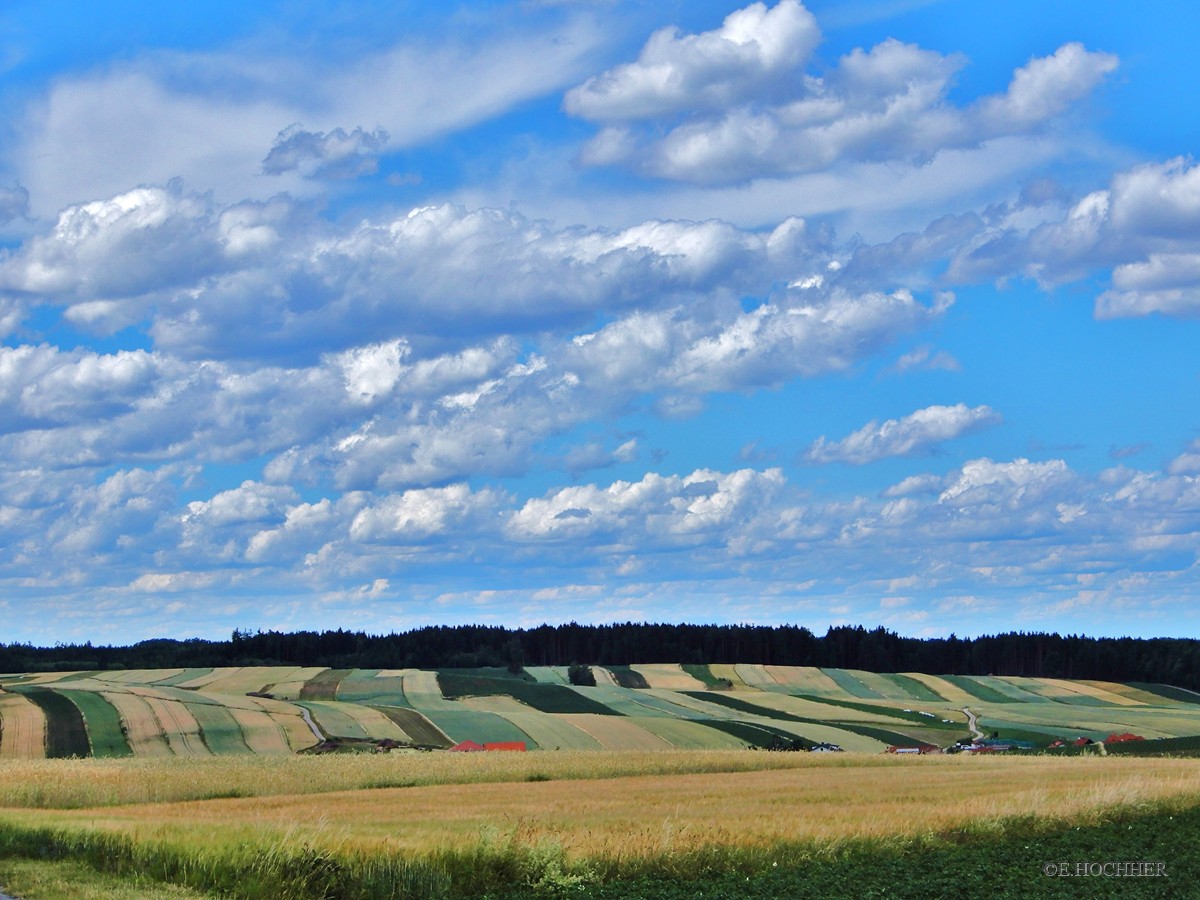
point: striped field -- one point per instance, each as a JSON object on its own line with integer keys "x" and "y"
{"x": 282, "y": 710}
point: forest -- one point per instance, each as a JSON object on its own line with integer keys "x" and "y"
{"x": 1042, "y": 655}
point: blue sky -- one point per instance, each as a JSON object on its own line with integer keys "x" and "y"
{"x": 320, "y": 315}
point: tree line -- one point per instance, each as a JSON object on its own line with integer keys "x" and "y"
{"x": 1047, "y": 655}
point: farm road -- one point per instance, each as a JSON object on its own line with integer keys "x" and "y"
{"x": 973, "y": 724}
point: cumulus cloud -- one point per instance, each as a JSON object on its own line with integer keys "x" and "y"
{"x": 919, "y": 432}
{"x": 332, "y": 154}
{"x": 736, "y": 103}
{"x": 1143, "y": 228}
{"x": 751, "y": 52}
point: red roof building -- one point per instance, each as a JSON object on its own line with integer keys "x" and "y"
{"x": 468, "y": 747}
{"x": 518, "y": 746}
{"x": 1121, "y": 738}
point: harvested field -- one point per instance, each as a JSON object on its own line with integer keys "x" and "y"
{"x": 290, "y": 687}
{"x": 617, "y": 732}
{"x": 185, "y": 675}
{"x": 757, "y": 677}
{"x": 688, "y": 735}
{"x": 240, "y": 679}
{"x": 142, "y": 727}
{"x": 550, "y": 732}
{"x": 729, "y": 673}
{"x": 668, "y": 677}
{"x": 423, "y": 692}
{"x": 22, "y": 728}
{"x": 262, "y": 733}
{"x": 180, "y": 727}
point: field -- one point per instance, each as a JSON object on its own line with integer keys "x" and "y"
{"x": 289, "y": 709}
{"x": 206, "y": 780}
{"x": 629, "y": 824}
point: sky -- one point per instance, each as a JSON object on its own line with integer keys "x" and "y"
{"x": 373, "y": 315}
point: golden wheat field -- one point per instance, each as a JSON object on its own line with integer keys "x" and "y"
{"x": 595, "y": 805}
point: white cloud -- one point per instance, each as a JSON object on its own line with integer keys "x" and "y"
{"x": 749, "y": 54}
{"x": 333, "y": 154}
{"x": 733, "y": 106}
{"x": 919, "y": 432}
{"x": 209, "y": 117}
{"x": 1143, "y": 227}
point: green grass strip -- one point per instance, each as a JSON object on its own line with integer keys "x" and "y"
{"x": 913, "y": 716}
{"x": 105, "y": 734}
{"x": 852, "y": 685}
{"x": 66, "y": 733}
{"x": 978, "y": 690}
{"x": 704, "y": 674}
{"x": 763, "y": 737}
{"x": 547, "y": 698}
{"x": 871, "y": 731}
{"x": 219, "y": 729}
{"x": 1167, "y": 691}
{"x": 918, "y": 690}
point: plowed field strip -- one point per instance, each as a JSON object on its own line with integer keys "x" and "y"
{"x": 324, "y": 686}
{"x": 22, "y": 728}
{"x": 419, "y": 728}
{"x": 671, "y": 678}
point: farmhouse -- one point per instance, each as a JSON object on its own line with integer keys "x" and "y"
{"x": 473, "y": 747}
{"x": 1122, "y": 738}
{"x": 509, "y": 746}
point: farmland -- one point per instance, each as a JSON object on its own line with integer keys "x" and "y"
{"x": 287, "y": 709}
{"x": 603, "y": 823}
{"x": 278, "y": 710}
{"x": 176, "y": 773}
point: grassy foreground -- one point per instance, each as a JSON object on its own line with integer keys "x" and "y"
{"x": 607, "y": 825}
